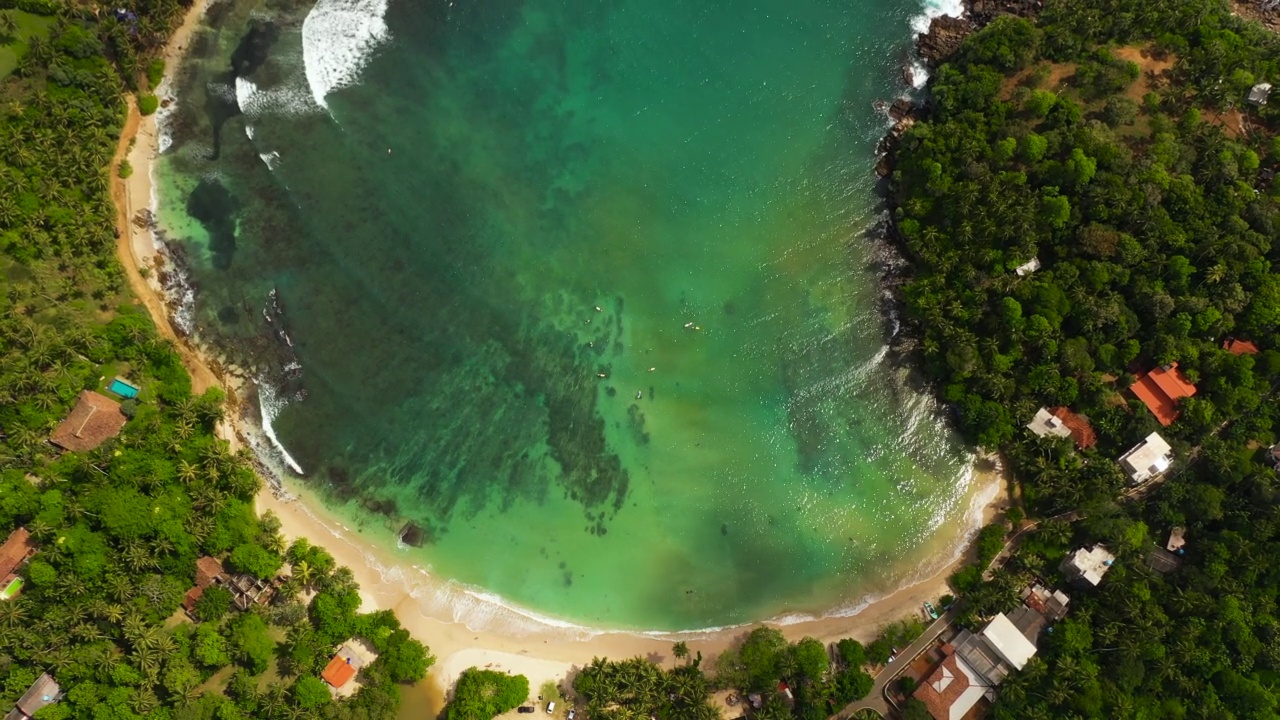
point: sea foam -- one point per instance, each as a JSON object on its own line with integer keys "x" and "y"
{"x": 920, "y": 26}
{"x": 270, "y": 404}
{"x": 337, "y": 38}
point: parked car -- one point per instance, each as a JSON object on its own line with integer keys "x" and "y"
{"x": 526, "y": 709}
{"x": 551, "y": 707}
{"x": 572, "y": 714}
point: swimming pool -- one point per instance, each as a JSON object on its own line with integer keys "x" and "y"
{"x": 123, "y": 389}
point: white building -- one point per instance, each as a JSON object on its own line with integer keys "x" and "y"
{"x": 1047, "y": 424}
{"x": 1148, "y": 459}
{"x": 1088, "y": 565}
{"x": 1259, "y": 94}
{"x": 1008, "y": 641}
{"x": 1028, "y": 267}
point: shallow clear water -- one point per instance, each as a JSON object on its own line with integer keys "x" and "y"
{"x": 580, "y": 288}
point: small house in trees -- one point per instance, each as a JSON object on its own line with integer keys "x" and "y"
{"x": 1240, "y": 347}
{"x": 247, "y": 590}
{"x": 1177, "y": 540}
{"x": 1061, "y": 422}
{"x": 208, "y": 572}
{"x": 1087, "y": 566}
{"x": 1052, "y": 604}
{"x": 94, "y": 420}
{"x": 15, "y": 551}
{"x": 1259, "y": 93}
{"x": 346, "y": 664}
{"x": 1161, "y": 389}
{"x": 1148, "y": 459}
{"x": 1028, "y": 267}
{"x": 44, "y": 691}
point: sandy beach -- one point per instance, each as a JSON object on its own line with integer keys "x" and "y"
{"x": 505, "y": 640}
{"x": 512, "y": 642}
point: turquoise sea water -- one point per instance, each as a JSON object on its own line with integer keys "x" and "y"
{"x": 580, "y": 288}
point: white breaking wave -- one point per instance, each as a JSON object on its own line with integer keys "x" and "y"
{"x": 272, "y": 159}
{"x": 337, "y": 38}
{"x": 270, "y": 405}
{"x": 255, "y": 101}
{"x": 920, "y": 26}
{"x": 933, "y": 9}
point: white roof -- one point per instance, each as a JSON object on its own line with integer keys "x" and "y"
{"x": 1028, "y": 267}
{"x": 1046, "y": 423}
{"x": 971, "y": 695}
{"x": 1005, "y": 638}
{"x": 1090, "y": 564}
{"x": 1147, "y": 459}
{"x": 1259, "y": 93}
{"x": 1176, "y": 539}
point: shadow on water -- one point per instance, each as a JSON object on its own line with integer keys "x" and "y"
{"x": 250, "y": 54}
{"x": 214, "y": 206}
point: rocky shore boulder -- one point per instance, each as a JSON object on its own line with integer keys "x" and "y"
{"x": 984, "y": 11}
{"x": 944, "y": 37}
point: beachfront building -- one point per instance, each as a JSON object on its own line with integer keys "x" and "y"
{"x": 44, "y": 691}
{"x": 208, "y": 572}
{"x": 1028, "y": 267}
{"x": 1161, "y": 389}
{"x": 94, "y": 420}
{"x": 1148, "y": 459}
{"x": 954, "y": 688}
{"x": 1062, "y": 422}
{"x": 1259, "y": 93}
{"x": 973, "y": 665}
{"x": 1087, "y": 566}
{"x": 17, "y": 549}
{"x": 346, "y": 664}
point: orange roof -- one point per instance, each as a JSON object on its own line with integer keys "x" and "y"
{"x": 1173, "y": 382}
{"x": 1081, "y": 430}
{"x": 15, "y": 550}
{"x": 338, "y": 671}
{"x": 1160, "y": 390}
{"x": 940, "y": 690}
{"x": 208, "y": 569}
{"x": 192, "y": 597}
{"x": 93, "y": 420}
{"x": 1240, "y": 347}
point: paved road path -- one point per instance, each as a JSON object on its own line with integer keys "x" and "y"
{"x": 875, "y": 699}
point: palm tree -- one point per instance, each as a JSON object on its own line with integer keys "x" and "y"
{"x": 12, "y": 613}
{"x": 188, "y": 472}
{"x": 680, "y": 650}
{"x": 304, "y": 573}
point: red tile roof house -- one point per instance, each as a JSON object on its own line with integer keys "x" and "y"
{"x": 1161, "y": 389}
{"x": 94, "y": 420}
{"x": 208, "y": 572}
{"x": 1240, "y": 347}
{"x": 953, "y": 689}
{"x": 15, "y": 551}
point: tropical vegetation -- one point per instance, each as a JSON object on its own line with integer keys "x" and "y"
{"x": 1112, "y": 140}
{"x": 485, "y": 694}
{"x": 119, "y": 528}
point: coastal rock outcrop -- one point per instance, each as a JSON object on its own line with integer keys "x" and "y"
{"x": 1266, "y": 12}
{"x": 984, "y": 11}
{"x": 944, "y": 38}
